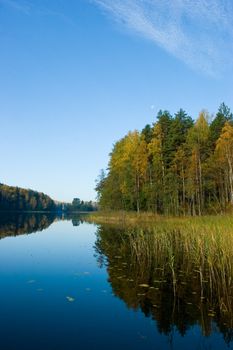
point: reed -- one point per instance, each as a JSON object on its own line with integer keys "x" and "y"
{"x": 193, "y": 255}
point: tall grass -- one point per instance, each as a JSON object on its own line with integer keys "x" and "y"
{"x": 190, "y": 260}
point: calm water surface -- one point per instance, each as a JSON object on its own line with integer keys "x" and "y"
{"x": 67, "y": 284}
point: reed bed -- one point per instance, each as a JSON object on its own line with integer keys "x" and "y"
{"x": 193, "y": 256}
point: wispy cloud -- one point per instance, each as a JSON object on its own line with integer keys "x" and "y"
{"x": 21, "y": 6}
{"x": 30, "y": 7}
{"x": 198, "y": 32}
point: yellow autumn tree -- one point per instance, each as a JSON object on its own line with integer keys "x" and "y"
{"x": 128, "y": 165}
{"x": 158, "y": 170}
{"x": 197, "y": 143}
{"x": 224, "y": 153}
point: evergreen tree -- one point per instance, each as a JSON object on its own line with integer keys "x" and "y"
{"x": 223, "y": 115}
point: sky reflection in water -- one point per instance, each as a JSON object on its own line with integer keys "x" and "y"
{"x": 54, "y": 295}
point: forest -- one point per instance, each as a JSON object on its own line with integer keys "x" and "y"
{"x": 176, "y": 166}
{"x": 19, "y": 199}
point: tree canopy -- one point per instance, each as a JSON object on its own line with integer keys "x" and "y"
{"x": 176, "y": 166}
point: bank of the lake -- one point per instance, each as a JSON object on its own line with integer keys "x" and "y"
{"x": 151, "y": 219}
{"x": 129, "y": 285}
{"x": 193, "y": 251}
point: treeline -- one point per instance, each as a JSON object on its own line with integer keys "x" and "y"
{"x": 175, "y": 166}
{"x": 79, "y": 205}
{"x": 19, "y": 199}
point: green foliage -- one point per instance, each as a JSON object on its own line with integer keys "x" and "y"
{"x": 172, "y": 167}
{"x": 224, "y": 115}
{"x": 180, "y": 126}
{"x": 147, "y": 132}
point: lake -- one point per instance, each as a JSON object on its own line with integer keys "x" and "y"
{"x": 69, "y": 284}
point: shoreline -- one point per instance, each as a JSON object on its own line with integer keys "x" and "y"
{"x": 150, "y": 219}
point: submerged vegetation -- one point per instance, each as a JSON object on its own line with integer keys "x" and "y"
{"x": 179, "y": 272}
{"x": 174, "y": 167}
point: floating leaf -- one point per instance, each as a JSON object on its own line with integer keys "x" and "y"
{"x": 144, "y": 285}
{"x": 70, "y": 299}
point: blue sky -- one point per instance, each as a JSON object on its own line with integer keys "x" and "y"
{"x": 77, "y": 75}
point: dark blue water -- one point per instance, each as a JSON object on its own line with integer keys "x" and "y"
{"x": 55, "y": 294}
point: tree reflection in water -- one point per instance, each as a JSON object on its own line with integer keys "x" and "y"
{"x": 176, "y": 279}
{"x": 14, "y": 224}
